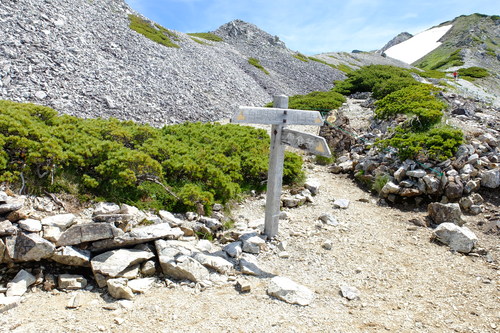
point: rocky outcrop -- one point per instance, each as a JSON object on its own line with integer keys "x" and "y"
{"x": 46, "y": 49}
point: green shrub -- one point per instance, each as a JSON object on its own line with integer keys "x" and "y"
{"x": 379, "y": 79}
{"x": 418, "y": 101}
{"x": 256, "y": 63}
{"x": 156, "y": 33}
{"x": 207, "y": 36}
{"x": 178, "y": 167}
{"x": 439, "y": 143}
{"x": 473, "y": 72}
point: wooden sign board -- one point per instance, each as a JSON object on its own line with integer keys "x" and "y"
{"x": 309, "y": 142}
{"x": 275, "y": 116}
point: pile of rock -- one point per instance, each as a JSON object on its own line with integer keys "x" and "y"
{"x": 121, "y": 247}
{"x": 475, "y": 165}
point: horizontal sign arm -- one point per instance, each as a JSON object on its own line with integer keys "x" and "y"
{"x": 312, "y": 143}
{"x": 274, "y": 116}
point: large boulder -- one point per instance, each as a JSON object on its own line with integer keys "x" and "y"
{"x": 114, "y": 263}
{"x": 491, "y": 178}
{"x": 88, "y": 232}
{"x": 139, "y": 235}
{"x": 28, "y": 247}
{"x": 441, "y": 213}
{"x": 459, "y": 239}
{"x": 287, "y": 290}
{"x": 176, "y": 261}
{"x": 71, "y": 256}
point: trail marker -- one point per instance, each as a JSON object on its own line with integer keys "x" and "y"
{"x": 279, "y": 117}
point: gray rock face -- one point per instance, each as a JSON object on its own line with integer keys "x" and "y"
{"x": 252, "y": 243}
{"x": 114, "y": 263}
{"x": 441, "y": 213}
{"x": 28, "y": 247}
{"x": 234, "y": 249}
{"x": 161, "y": 84}
{"x": 250, "y": 266}
{"x": 216, "y": 263}
{"x": 460, "y": 239}
{"x": 287, "y": 290}
{"x": 88, "y": 232}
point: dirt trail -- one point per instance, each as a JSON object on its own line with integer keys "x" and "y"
{"x": 407, "y": 283}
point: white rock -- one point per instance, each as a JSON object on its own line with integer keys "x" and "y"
{"x": 118, "y": 289}
{"x": 419, "y": 173}
{"x": 252, "y": 243}
{"x": 329, "y": 219}
{"x": 390, "y": 188}
{"x": 249, "y": 265}
{"x": 103, "y": 208}
{"x": 327, "y": 244}
{"x": 313, "y": 185}
{"x": 71, "y": 281}
{"x": 30, "y": 225}
{"x": 9, "y": 302}
{"x": 217, "y": 263}
{"x": 68, "y": 255}
{"x": 19, "y": 285}
{"x": 51, "y": 233}
{"x": 341, "y": 203}
{"x": 114, "y": 263}
{"x": 141, "y": 285}
{"x": 62, "y": 221}
{"x": 459, "y": 239}
{"x": 349, "y": 292}
{"x": 491, "y": 178}
{"x": 287, "y": 290}
{"x": 170, "y": 218}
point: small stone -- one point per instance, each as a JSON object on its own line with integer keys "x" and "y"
{"x": 19, "y": 285}
{"x": 349, "y": 292}
{"x": 249, "y": 265}
{"x": 74, "y": 302}
{"x": 312, "y": 185}
{"x": 40, "y": 94}
{"x": 341, "y": 203}
{"x": 119, "y": 320}
{"x": 329, "y": 219}
{"x": 283, "y": 255}
{"x": 141, "y": 285}
{"x": 148, "y": 268}
{"x": 118, "y": 289}
{"x": 252, "y": 243}
{"x": 71, "y": 282}
{"x": 234, "y": 249}
{"x": 327, "y": 244}
{"x": 243, "y": 286}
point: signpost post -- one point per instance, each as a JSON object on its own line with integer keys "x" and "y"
{"x": 279, "y": 117}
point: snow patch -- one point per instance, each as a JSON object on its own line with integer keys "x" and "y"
{"x": 418, "y": 46}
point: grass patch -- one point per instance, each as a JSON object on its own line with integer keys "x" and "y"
{"x": 156, "y": 33}
{"x": 301, "y": 57}
{"x": 206, "y": 35}
{"x": 199, "y": 41}
{"x": 441, "y": 58}
{"x": 256, "y": 63}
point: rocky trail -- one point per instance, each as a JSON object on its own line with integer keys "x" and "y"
{"x": 401, "y": 280}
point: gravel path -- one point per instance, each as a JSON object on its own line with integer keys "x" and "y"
{"x": 406, "y": 282}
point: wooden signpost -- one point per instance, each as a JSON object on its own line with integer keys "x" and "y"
{"x": 279, "y": 117}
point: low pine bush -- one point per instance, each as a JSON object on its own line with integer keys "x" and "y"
{"x": 179, "y": 167}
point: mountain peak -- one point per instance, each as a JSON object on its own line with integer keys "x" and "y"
{"x": 241, "y": 31}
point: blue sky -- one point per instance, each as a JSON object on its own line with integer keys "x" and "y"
{"x": 315, "y": 26}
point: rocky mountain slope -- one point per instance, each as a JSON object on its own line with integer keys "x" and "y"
{"x": 85, "y": 60}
